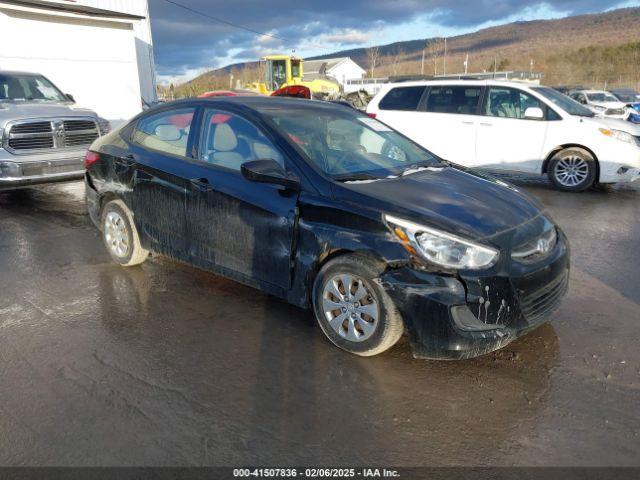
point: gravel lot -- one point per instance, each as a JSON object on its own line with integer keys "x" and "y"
{"x": 168, "y": 365}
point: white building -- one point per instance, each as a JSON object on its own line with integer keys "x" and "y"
{"x": 342, "y": 69}
{"x": 99, "y": 51}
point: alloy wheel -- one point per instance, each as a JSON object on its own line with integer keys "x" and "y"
{"x": 571, "y": 171}
{"x": 116, "y": 234}
{"x": 350, "y": 308}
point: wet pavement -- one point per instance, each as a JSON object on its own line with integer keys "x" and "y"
{"x": 167, "y": 365}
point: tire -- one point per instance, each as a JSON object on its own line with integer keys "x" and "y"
{"x": 378, "y": 332}
{"x": 120, "y": 235}
{"x": 572, "y": 170}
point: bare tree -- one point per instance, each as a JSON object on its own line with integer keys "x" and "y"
{"x": 396, "y": 59}
{"x": 435, "y": 50}
{"x": 373, "y": 55}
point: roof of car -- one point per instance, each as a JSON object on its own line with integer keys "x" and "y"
{"x": 262, "y": 103}
{"x": 465, "y": 81}
{"x": 590, "y": 91}
{"x": 15, "y": 72}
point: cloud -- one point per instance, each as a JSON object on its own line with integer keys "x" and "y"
{"x": 185, "y": 42}
{"x": 347, "y": 36}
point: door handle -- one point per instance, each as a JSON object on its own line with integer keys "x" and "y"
{"x": 201, "y": 184}
{"x": 467, "y": 122}
{"x": 486, "y": 124}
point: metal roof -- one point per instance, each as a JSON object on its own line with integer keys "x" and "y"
{"x": 325, "y": 64}
{"x": 72, "y": 8}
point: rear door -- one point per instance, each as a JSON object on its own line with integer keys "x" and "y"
{"x": 505, "y": 139}
{"x": 243, "y": 229}
{"x": 449, "y": 122}
{"x": 399, "y": 109}
{"x": 160, "y": 147}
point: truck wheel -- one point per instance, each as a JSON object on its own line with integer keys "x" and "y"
{"x": 120, "y": 235}
{"x": 353, "y": 310}
{"x": 572, "y": 170}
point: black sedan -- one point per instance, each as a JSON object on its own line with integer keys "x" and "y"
{"x": 334, "y": 211}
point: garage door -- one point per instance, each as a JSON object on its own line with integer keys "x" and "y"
{"x": 94, "y": 60}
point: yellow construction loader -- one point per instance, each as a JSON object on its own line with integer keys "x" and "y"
{"x": 284, "y": 71}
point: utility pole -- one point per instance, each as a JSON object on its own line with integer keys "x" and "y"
{"x": 466, "y": 64}
{"x": 444, "y": 61}
{"x": 422, "y": 64}
{"x": 531, "y": 67}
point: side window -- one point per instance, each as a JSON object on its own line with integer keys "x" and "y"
{"x": 402, "y": 98}
{"x": 552, "y": 114}
{"x": 509, "y": 103}
{"x": 166, "y": 132}
{"x": 454, "y": 99}
{"x": 228, "y": 141}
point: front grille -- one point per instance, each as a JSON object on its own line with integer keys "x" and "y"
{"x": 31, "y": 143}
{"x": 81, "y": 139}
{"x": 536, "y": 249}
{"x": 35, "y": 127}
{"x": 43, "y": 135}
{"x": 615, "y": 111}
{"x": 541, "y": 303}
{"x": 75, "y": 125}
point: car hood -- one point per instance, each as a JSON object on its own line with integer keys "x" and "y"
{"x": 614, "y": 124}
{"x": 609, "y": 104}
{"x": 453, "y": 199}
{"x": 19, "y": 111}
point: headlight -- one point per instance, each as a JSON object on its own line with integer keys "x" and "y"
{"x": 104, "y": 126}
{"x": 597, "y": 108}
{"x": 441, "y": 248}
{"x": 619, "y": 135}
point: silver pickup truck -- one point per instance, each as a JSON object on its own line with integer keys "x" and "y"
{"x": 43, "y": 135}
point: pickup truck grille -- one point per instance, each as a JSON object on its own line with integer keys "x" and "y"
{"x": 39, "y": 136}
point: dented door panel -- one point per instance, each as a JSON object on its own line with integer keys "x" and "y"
{"x": 240, "y": 226}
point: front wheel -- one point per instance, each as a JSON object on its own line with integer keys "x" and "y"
{"x": 572, "y": 170}
{"x": 353, "y": 310}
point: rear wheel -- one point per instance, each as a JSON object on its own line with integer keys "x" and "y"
{"x": 120, "y": 235}
{"x": 353, "y": 311}
{"x": 572, "y": 170}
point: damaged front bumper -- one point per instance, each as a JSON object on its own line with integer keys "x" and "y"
{"x": 465, "y": 316}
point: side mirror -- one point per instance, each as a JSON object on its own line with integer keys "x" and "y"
{"x": 70, "y": 97}
{"x": 269, "y": 171}
{"x": 534, "y": 113}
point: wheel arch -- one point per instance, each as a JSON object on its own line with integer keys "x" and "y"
{"x": 559, "y": 148}
{"x": 329, "y": 255}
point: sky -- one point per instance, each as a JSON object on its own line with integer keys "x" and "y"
{"x": 187, "y": 43}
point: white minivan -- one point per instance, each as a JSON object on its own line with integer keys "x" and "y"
{"x": 512, "y": 126}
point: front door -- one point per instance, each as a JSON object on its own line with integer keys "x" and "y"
{"x": 505, "y": 139}
{"x": 241, "y": 228}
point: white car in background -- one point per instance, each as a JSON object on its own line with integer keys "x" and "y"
{"x": 512, "y": 126}
{"x": 601, "y": 103}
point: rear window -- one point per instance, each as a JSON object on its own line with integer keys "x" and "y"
{"x": 454, "y": 99}
{"x": 402, "y": 98}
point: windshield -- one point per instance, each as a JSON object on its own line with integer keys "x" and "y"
{"x": 28, "y": 88}
{"x": 630, "y": 96}
{"x": 601, "y": 97}
{"x": 349, "y": 146}
{"x": 565, "y": 103}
